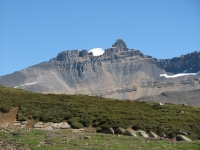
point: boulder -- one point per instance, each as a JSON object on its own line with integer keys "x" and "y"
{"x": 182, "y": 133}
{"x": 83, "y": 53}
{"x": 130, "y": 132}
{"x": 48, "y": 128}
{"x": 64, "y": 125}
{"x": 119, "y": 130}
{"x": 23, "y": 125}
{"x": 107, "y": 130}
{"x": 38, "y": 125}
{"x": 61, "y": 125}
{"x": 152, "y": 134}
{"x": 55, "y": 126}
{"x": 162, "y": 135}
{"x": 17, "y": 123}
{"x": 143, "y": 133}
{"x": 182, "y": 138}
{"x": 24, "y": 122}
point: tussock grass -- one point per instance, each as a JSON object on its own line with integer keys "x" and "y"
{"x": 80, "y": 110}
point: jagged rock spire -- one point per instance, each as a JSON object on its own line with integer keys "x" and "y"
{"x": 120, "y": 44}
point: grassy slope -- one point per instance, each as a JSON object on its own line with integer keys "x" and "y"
{"x": 81, "y": 111}
{"x": 41, "y": 140}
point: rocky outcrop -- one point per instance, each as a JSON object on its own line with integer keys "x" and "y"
{"x": 38, "y": 125}
{"x": 182, "y": 138}
{"x": 152, "y": 134}
{"x": 120, "y": 73}
{"x": 106, "y": 130}
{"x": 62, "y": 125}
{"x": 51, "y": 126}
{"x": 20, "y": 124}
{"x": 120, "y": 45}
{"x": 189, "y": 63}
{"x": 143, "y": 134}
{"x": 119, "y": 130}
{"x": 130, "y": 132}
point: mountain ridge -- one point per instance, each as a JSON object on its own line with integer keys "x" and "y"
{"x": 119, "y": 72}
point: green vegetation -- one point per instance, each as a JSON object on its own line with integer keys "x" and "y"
{"x": 61, "y": 140}
{"x": 80, "y": 110}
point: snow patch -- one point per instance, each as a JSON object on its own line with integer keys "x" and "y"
{"x": 25, "y": 84}
{"x": 31, "y": 83}
{"x": 97, "y": 51}
{"x": 179, "y": 75}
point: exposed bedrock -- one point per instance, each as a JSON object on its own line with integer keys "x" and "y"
{"x": 120, "y": 73}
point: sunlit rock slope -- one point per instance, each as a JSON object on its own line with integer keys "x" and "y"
{"x": 117, "y": 72}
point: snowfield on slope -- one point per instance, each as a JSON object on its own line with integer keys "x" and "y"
{"x": 25, "y": 84}
{"x": 179, "y": 75}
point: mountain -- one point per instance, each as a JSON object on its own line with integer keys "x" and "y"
{"x": 119, "y": 72}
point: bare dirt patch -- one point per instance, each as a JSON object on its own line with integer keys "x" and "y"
{"x": 8, "y": 118}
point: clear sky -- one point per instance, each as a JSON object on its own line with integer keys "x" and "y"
{"x": 33, "y": 31}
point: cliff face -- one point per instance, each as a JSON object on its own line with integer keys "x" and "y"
{"x": 190, "y": 61}
{"x": 120, "y": 72}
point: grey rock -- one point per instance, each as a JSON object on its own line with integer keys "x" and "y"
{"x": 23, "y": 125}
{"x": 179, "y": 64}
{"x": 83, "y": 53}
{"x": 119, "y": 130}
{"x": 120, "y": 44}
{"x": 152, "y": 134}
{"x": 182, "y": 138}
{"x": 17, "y": 123}
{"x": 65, "y": 125}
{"x": 130, "y": 133}
{"x": 48, "y": 128}
{"x": 143, "y": 134}
{"x": 39, "y": 125}
{"x": 182, "y": 133}
{"x": 162, "y": 135}
{"x": 107, "y": 131}
{"x": 55, "y": 126}
{"x": 24, "y": 122}
{"x": 61, "y": 125}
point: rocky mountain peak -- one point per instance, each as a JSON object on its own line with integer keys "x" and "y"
{"x": 120, "y": 45}
{"x": 119, "y": 72}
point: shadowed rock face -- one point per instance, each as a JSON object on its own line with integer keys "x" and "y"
{"x": 179, "y": 64}
{"x": 120, "y": 45}
{"x": 120, "y": 73}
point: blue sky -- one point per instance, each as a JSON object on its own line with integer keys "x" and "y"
{"x": 33, "y": 31}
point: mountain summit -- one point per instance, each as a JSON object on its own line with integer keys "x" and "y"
{"x": 120, "y": 44}
{"x": 118, "y": 72}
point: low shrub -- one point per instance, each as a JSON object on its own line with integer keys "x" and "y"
{"x": 76, "y": 125}
{"x": 80, "y": 111}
